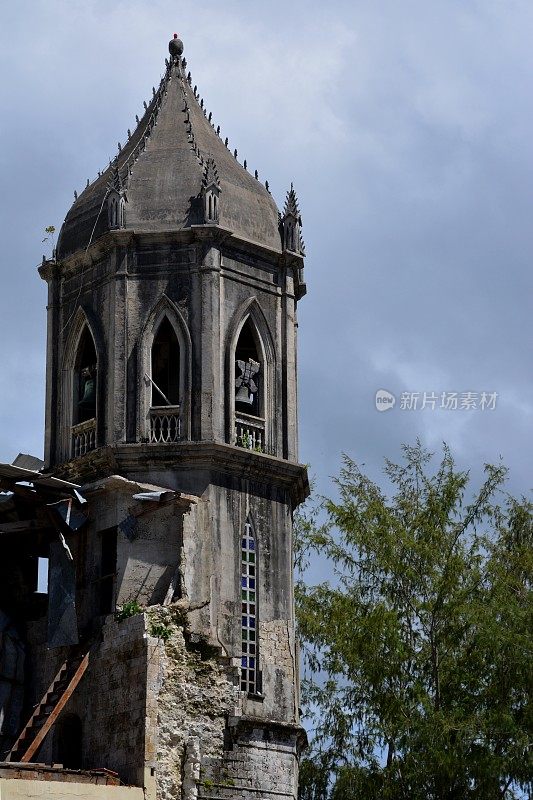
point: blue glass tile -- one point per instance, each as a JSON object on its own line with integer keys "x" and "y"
{"x": 244, "y": 582}
{"x": 245, "y": 622}
{"x": 252, "y": 622}
{"x": 251, "y": 544}
{"x": 252, "y": 583}
{"x": 244, "y": 662}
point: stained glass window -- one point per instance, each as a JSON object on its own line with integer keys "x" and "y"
{"x": 249, "y": 612}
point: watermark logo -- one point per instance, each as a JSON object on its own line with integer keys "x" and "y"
{"x": 430, "y": 401}
{"x": 384, "y": 400}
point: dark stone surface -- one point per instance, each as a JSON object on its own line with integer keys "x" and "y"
{"x": 163, "y": 186}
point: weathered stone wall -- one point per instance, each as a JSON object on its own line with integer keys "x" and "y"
{"x": 112, "y": 701}
{"x": 195, "y": 699}
{"x": 147, "y": 558}
{"x": 210, "y": 564}
{"x": 190, "y": 697}
{"x": 261, "y": 763}
{"x": 211, "y": 287}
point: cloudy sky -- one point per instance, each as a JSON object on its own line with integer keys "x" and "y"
{"x": 408, "y": 132}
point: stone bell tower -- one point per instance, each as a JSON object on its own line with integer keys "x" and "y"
{"x": 172, "y": 403}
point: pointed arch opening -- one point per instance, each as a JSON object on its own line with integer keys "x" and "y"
{"x": 251, "y": 366}
{"x": 165, "y": 355}
{"x": 165, "y": 358}
{"x": 248, "y": 372}
{"x": 85, "y": 368}
{"x": 84, "y": 399}
{"x": 115, "y": 209}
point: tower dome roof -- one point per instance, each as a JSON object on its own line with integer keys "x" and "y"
{"x": 159, "y": 174}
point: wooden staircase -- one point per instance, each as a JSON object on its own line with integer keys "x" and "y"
{"x": 50, "y": 707}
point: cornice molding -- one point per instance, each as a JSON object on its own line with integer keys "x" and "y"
{"x": 130, "y": 459}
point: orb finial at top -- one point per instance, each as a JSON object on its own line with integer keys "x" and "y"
{"x": 175, "y": 47}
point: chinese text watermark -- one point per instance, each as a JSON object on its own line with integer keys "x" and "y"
{"x": 448, "y": 401}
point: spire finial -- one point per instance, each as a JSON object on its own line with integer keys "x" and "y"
{"x": 175, "y": 48}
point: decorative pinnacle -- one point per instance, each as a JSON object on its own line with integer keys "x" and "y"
{"x": 291, "y": 204}
{"x": 211, "y": 174}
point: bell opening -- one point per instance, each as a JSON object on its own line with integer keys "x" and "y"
{"x": 165, "y": 366}
{"x": 247, "y": 372}
{"x": 86, "y": 377}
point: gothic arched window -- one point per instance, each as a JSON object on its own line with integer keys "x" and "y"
{"x": 115, "y": 210}
{"x": 248, "y": 373}
{"x": 84, "y": 401}
{"x": 248, "y": 390}
{"x": 165, "y": 419}
{"x": 85, "y": 384}
{"x": 165, "y": 366}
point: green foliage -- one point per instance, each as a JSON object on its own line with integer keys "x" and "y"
{"x": 129, "y": 609}
{"x": 160, "y": 631}
{"x": 246, "y": 441}
{"x": 418, "y": 654}
{"x": 50, "y": 235}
